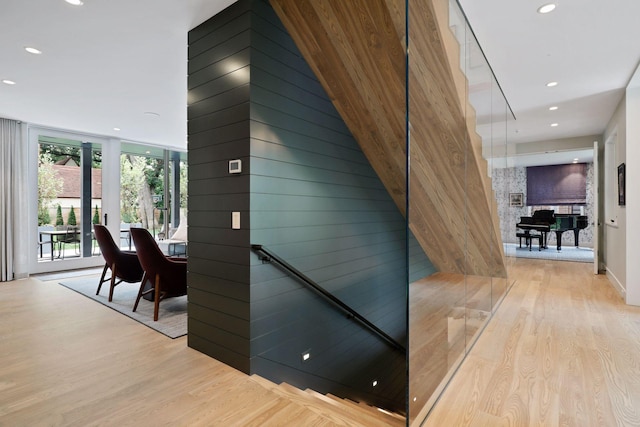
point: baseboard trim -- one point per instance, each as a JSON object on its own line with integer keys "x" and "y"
{"x": 616, "y": 284}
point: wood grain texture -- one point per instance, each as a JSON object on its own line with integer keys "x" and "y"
{"x": 356, "y": 50}
{"x": 447, "y": 313}
{"x": 562, "y": 349}
{"x": 66, "y": 360}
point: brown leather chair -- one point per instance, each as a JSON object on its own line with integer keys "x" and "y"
{"x": 166, "y": 277}
{"x": 124, "y": 265}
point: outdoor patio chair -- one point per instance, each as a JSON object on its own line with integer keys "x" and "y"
{"x": 71, "y": 236}
{"x": 124, "y": 265}
{"x": 164, "y": 277}
{"x": 45, "y": 244}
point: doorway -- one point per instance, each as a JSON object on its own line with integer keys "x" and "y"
{"x": 68, "y": 200}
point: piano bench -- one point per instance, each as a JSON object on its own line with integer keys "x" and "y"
{"x": 528, "y": 237}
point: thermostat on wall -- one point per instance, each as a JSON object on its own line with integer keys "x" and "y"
{"x": 235, "y": 166}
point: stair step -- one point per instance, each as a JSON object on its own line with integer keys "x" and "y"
{"x": 335, "y": 412}
{"x": 362, "y": 408}
{"x": 336, "y": 409}
{"x": 385, "y": 413}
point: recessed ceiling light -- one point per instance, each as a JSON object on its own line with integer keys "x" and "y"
{"x": 8, "y": 82}
{"x": 75, "y": 2}
{"x": 33, "y": 50}
{"x": 116, "y": 129}
{"x": 554, "y": 108}
{"x": 546, "y": 8}
{"x": 552, "y": 84}
{"x": 554, "y": 125}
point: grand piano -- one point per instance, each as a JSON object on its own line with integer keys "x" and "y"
{"x": 569, "y": 222}
{"x": 543, "y": 221}
{"x": 540, "y": 224}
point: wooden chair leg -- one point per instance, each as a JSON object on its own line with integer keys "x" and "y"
{"x": 144, "y": 279}
{"x": 113, "y": 281}
{"x": 156, "y": 299}
{"x": 104, "y": 272}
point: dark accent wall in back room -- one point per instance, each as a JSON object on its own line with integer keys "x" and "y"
{"x": 307, "y": 193}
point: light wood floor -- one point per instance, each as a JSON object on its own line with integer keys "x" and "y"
{"x": 67, "y": 361}
{"x": 562, "y": 349}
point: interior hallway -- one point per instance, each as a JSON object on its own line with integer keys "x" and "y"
{"x": 561, "y": 350}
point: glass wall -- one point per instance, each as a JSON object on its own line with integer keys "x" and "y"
{"x": 153, "y": 190}
{"x": 459, "y": 121}
{"x": 69, "y": 197}
{"x": 68, "y": 171}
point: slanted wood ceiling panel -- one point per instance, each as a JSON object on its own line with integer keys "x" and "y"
{"x": 356, "y": 49}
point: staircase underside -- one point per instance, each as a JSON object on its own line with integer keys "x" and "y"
{"x": 356, "y": 49}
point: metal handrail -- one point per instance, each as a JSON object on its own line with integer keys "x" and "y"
{"x": 351, "y": 313}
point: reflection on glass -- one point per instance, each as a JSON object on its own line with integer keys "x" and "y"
{"x": 69, "y": 197}
{"x": 450, "y": 308}
{"x": 153, "y": 190}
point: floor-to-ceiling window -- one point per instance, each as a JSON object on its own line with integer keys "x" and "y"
{"x": 68, "y": 199}
{"x": 82, "y": 180}
{"x": 153, "y": 192}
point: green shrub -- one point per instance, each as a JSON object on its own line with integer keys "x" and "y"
{"x": 43, "y": 217}
{"x": 96, "y": 216}
{"x": 127, "y": 218}
{"x": 59, "y": 220}
{"x": 71, "y": 220}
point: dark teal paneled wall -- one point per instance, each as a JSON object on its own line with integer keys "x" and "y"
{"x": 307, "y": 193}
{"x": 219, "y": 130}
{"x": 317, "y": 203}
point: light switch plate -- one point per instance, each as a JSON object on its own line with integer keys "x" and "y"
{"x": 235, "y": 220}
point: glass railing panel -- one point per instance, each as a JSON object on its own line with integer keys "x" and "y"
{"x": 501, "y": 181}
{"x": 492, "y": 114}
{"x": 445, "y": 324}
{"x": 437, "y": 213}
{"x": 479, "y": 117}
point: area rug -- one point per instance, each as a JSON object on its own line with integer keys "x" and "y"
{"x": 67, "y": 274}
{"x": 568, "y": 253}
{"x": 172, "y": 317}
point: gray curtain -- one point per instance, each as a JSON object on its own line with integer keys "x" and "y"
{"x": 13, "y": 182}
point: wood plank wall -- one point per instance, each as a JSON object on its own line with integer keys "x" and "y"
{"x": 219, "y": 130}
{"x": 356, "y": 50}
{"x": 308, "y": 193}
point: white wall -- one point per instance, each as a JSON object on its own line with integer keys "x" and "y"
{"x": 613, "y": 254}
{"x": 632, "y": 159}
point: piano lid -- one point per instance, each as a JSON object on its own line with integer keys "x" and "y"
{"x": 544, "y": 216}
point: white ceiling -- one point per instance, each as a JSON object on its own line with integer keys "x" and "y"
{"x": 104, "y": 65}
{"x": 590, "y": 47}
{"x": 108, "y": 63}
